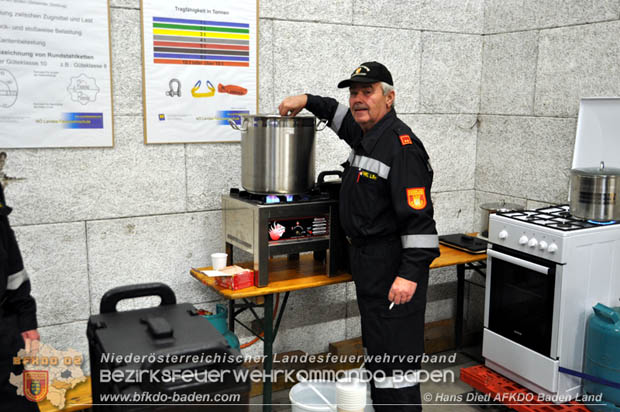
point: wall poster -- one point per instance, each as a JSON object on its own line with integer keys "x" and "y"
{"x": 55, "y": 81}
{"x": 200, "y": 68}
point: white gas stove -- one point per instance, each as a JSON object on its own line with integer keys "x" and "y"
{"x": 545, "y": 272}
{"x": 542, "y": 281}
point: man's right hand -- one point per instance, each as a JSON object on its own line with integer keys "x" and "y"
{"x": 292, "y": 105}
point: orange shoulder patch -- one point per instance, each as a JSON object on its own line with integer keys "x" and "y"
{"x": 416, "y": 197}
{"x": 405, "y": 139}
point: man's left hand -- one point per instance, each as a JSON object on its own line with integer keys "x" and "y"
{"x": 402, "y": 290}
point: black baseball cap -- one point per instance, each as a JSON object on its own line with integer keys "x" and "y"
{"x": 370, "y": 72}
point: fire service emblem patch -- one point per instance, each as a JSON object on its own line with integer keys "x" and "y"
{"x": 35, "y": 385}
{"x": 405, "y": 139}
{"x": 416, "y": 197}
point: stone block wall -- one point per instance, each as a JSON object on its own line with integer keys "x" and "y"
{"x": 490, "y": 86}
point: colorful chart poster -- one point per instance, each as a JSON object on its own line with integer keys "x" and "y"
{"x": 200, "y": 68}
{"x": 55, "y": 87}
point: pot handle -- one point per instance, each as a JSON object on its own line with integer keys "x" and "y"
{"x": 235, "y": 126}
{"x": 322, "y": 122}
{"x": 321, "y": 178}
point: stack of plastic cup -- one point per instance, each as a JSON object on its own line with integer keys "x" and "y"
{"x": 350, "y": 395}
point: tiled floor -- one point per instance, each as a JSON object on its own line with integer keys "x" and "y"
{"x": 453, "y": 395}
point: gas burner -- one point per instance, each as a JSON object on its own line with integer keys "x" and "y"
{"x": 563, "y": 225}
{"x": 598, "y": 223}
{"x": 310, "y": 196}
{"x": 269, "y": 199}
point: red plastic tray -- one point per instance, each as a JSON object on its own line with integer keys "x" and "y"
{"x": 511, "y": 394}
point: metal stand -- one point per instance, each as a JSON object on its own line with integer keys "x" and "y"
{"x": 269, "y": 334}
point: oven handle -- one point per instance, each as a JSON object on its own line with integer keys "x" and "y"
{"x": 519, "y": 262}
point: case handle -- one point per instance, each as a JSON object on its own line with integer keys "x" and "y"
{"x": 113, "y": 296}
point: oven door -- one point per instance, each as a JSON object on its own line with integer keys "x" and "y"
{"x": 519, "y": 301}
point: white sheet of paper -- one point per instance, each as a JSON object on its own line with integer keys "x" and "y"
{"x": 214, "y": 273}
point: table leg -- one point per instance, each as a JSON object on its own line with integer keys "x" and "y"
{"x": 268, "y": 352}
{"x": 460, "y": 299}
{"x": 231, "y": 315}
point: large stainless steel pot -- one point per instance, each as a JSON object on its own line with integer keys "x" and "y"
{"x": 277, "y": 152}
{"x": 594, "y": 193}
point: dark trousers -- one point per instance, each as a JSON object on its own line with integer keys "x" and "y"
{"x": 10, "y": 343}
{"x": 396, "y": 336}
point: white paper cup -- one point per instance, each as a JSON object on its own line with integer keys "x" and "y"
{"x": 350, "y": 395}
{"x": 218, "y": 260}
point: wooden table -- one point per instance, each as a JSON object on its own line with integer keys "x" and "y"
{"x": 286, "y": 276}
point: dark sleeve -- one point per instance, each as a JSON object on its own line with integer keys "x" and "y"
{"x": 339, "y": 117}
{"x": 410, "y": 181}
{"x": 17, "y": 297}
{"x": 20, "y": 302}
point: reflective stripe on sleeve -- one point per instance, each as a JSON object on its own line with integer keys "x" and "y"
{"x": 419, "y": 241}
{"x": 341, "y": 112}
{"x": 372, "y": 165}
{"x": 15, "y": 280}
{"x": 351, "y": 156}
{"x": 404, "y": 381}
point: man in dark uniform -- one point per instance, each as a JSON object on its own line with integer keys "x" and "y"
{"x": 18, "y": 319}
{"x": 387, "y": 215}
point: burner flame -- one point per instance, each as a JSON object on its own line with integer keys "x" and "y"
{"x": 289, "y": 198}
{"x": 272, "y": 199}
{"x": 595, "y": 222}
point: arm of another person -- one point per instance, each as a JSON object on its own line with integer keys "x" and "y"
{"x": 17, "y": 298}
{"x": 20, "y": 302}
{"x": 410, "y": 184}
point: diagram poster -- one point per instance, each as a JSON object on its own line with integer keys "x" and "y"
{"x": 200, "y": 68}
{"x": 55, "y": 88}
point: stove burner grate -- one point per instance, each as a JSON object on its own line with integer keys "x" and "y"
{"x": 556, "y": 217}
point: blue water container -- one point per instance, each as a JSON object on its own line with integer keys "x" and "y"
{"x": 219, "y": 320}
{"x": 603, "y": 356}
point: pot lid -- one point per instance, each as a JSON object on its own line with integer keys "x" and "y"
{"x": 598, "y": 133}
{"x": 501, "y": 207}
{"x": 276, "y": 116}
{"x": 602, "y": 170}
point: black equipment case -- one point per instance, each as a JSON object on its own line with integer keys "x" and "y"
{"x": 161, "y": 358}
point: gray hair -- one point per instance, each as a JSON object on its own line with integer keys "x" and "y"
{"x": 386, "y": 89}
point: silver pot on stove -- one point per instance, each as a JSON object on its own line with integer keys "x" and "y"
{"x": 277, "y": 152}
{"x": 490, "y": 208}
{"x": 594, "y": 193}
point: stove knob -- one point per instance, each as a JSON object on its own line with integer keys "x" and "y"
{"x": 503, "y": 234}
{"x": 542, "y": 245}
{"x": 532, "y": 243}
{"x": 523, "y": 240}
{"x": 552, "y": 248}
